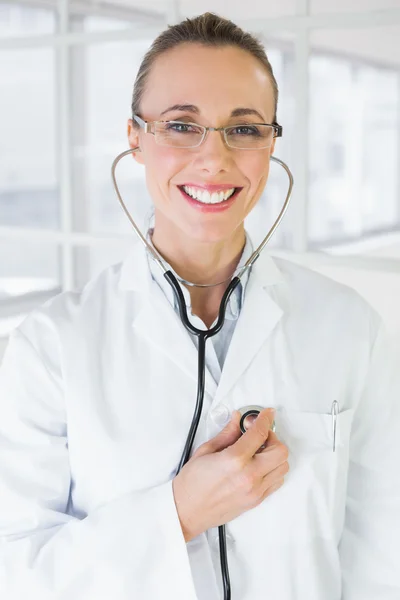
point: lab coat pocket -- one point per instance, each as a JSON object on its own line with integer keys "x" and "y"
{"x": 317, "y": 479}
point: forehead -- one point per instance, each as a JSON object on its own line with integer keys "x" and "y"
{"x": 217, "y": 80}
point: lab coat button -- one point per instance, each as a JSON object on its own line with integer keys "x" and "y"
{"x": 220, "y": 415}
{"x": 230, "y": 542}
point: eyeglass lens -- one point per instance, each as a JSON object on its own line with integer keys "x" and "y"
{"x": 186, "y": 135}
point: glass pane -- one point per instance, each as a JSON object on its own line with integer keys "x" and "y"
{"x": 19, "y": 19}
{"x": 29, "y": 275}
{"x": 100, "y": 120}
{"x": 354, "y": 139}
{"x": 28, "y": 182}
{"x": 89, "y": 261}
{"x": 380, "y": 245}
{"x": 253, "y": 9}
{"x": 281, "y": 55}
{"x": 261, "y": 219}
{"x": 117, "y": 15}
{"x": 327, "y": 6}
{"x": 100, "y": 133}
{"x": 99, "y": 24}
{"x": 380, "y": 289}
{"x": 387, "y": 248}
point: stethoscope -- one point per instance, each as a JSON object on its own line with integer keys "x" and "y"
{"x": 247, "y": 412}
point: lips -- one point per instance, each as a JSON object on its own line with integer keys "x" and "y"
{"x": 212, "y": 187}
{"x": 207, "y": 196}
{"x": 209, "y": 207}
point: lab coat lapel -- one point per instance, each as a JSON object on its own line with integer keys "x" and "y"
{"x": 258, "y": 318}
{"x": 157, "y": 321}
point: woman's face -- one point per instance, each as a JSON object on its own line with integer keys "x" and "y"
{"x": 212, "y": 83}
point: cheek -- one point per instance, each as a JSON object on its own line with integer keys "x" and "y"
{"x": 161, "y": 165}
{"x": 256, "y": 166}
{"x": 257, "y": 171}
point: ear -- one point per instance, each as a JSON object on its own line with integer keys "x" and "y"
{"x": 133, "y": 139}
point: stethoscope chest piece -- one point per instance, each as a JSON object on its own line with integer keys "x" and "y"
{"x": 249, "y": 414}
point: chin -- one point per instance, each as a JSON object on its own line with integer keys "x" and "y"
{"x": 210, "y": 233}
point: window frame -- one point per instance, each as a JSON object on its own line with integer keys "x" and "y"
{"x": 149, "y": 24}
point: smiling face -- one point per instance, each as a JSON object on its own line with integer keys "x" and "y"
{"x": 213, "y": 86}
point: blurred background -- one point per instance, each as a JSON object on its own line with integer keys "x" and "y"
{"x": 67, "y": 69}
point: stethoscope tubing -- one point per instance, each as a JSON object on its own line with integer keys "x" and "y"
{"x": 204, "y": 335}
{"x": 153, "y": 253}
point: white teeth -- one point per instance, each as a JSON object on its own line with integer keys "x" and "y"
{"x": 206, "y": 197}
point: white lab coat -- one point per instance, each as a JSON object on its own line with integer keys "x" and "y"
{"x": 98, "y": 390}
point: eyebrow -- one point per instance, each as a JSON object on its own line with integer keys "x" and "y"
{"x": 237, "y": 112}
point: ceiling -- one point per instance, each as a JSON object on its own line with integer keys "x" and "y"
{"x": 256, "y": 8}
{"x": 380, "y": 43}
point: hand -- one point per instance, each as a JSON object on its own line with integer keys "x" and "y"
{"x": 229, "y": 475}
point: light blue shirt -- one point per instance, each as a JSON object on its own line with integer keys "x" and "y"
{"x": 217, "y": 346}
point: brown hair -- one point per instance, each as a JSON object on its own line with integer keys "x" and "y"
{"x": 208, "y": 29}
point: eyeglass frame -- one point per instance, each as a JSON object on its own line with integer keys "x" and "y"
{"x": 146, "y": 125}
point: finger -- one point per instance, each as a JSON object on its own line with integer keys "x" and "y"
{"x": 226, "y": 437}
{"x": 272, "y": 440}
{"x": 272, "y": 477}
{"x": 271, "y": 458}
{"x": 255, "y": 436}
{"x": 271, "y": 489}
{"x": 278, "y": 461}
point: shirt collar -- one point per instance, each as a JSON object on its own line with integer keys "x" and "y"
{"x": 237, "y": 298}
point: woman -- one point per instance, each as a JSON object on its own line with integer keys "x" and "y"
{"x": 98, "y": 386}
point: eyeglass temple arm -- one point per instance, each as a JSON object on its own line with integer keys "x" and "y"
{"x": 140, "y": 122}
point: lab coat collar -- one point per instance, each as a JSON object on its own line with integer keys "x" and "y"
{"x": 236, "y": 300}
{"x": 160, "y": 325}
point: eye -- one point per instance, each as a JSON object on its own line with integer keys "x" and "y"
{"x": 180, "y": 127}
{"x": 245, "y": 130}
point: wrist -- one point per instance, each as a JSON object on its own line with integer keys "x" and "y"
{"x": 186, "y": 533}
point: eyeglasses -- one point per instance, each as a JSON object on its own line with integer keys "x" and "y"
{"x": 249, "y": 136}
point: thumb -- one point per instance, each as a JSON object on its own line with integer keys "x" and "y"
{"x": 226, "y": 437}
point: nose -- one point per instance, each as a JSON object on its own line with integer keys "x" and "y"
{"x": 214, "y": 155}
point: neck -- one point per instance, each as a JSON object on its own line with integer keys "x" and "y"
{"x": 204, "y": 263}
{"x": 200, "y": 262}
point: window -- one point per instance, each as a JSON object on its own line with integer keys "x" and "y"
{"x": 65, "y": 102}
{"x": 354, "y": 141}
{"x": 20, "y": 19}
{"x": 28, "y": 167}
